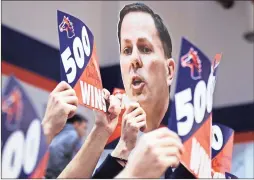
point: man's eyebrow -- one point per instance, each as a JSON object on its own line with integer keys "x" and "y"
{"x": 126, "y": 41}
{"x": 144, "y": 39}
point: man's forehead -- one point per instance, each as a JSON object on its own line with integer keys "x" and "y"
{"x": 138, "y": 24}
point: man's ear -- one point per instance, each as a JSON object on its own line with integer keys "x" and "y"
{"x": 170, "y": 71}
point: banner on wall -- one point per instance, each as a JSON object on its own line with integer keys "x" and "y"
{"x": 79, "y": 63}
{"x": 23, "y": 145}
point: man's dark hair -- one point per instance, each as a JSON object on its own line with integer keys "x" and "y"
{"x": 161, "y": 28}
{"x": 77, "y": 118}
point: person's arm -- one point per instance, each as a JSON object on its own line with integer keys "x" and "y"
{"x": 85, "y": 161}
{"x": 83, "y": 164}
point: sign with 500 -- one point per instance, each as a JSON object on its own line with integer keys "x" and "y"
{"x": 23, "y": 143}
{"x": 192, "y": 106}
{"x": 79, "y": 63}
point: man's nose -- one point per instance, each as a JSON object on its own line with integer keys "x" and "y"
{"x": 136, "y": 61}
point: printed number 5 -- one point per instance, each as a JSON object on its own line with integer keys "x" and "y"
{"x": 69, "y": 63}
{"x": 184, "y": 108}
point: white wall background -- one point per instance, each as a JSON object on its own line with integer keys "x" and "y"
{"x": 206, "y": 24}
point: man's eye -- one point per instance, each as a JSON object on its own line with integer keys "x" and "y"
{"x": 146, "y": 50}
{"x": 127, "y": 51}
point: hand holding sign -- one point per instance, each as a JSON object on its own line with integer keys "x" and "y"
{"x": 110, "y": 119}
{"x": 62, "y": 104}
{"x": 133, "y": 120}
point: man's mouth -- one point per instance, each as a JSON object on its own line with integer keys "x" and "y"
{"x": 137, "y": 83}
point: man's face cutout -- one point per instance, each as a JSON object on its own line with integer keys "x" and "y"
{"x": 146, "y": 72}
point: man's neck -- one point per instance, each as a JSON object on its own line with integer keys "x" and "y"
{"x": 155, "y": 114}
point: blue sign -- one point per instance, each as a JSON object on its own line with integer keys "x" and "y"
{"x": 23, "y": 143}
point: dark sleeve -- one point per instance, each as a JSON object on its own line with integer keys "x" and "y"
{"x": 108, "y": 169}
{"x": 182, "y": 173}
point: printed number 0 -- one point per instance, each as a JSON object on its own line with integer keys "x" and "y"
{"x": 200, "y": 101}
{"x": 217, "y": 143}
{"x": 79, "y": 47}
{"x": 13, "y": 147}
{"x": 18, "y": 151}
{"x": 32, "y": 146}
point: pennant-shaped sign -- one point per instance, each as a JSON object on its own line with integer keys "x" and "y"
{"x": 79, "y": 63}
{"x": 192, "y": 107}
{"x": 23, "y": 143}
